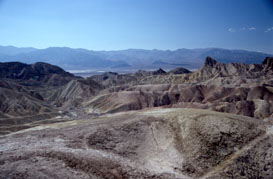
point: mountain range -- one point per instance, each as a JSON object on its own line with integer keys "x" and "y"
{"x": 82, "y": 59}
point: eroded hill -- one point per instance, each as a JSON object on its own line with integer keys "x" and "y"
{"x": 233, "y": 88}
{"x": 34, "y": 94}
{"x": 153, "y": 143}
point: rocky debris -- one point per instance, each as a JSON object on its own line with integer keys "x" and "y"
{"x": 153, "y": 143}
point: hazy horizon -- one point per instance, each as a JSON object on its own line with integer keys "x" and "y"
{"x": 270, "y": 53}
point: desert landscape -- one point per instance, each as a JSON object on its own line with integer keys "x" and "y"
{"x": 136, "y": 89}
{"x": 215, "y": 122}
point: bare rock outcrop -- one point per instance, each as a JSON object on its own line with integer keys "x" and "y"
{"x": 253, "y": 101}
{"x": 268, "y": 63}
{"x": 74, "y": 93}
{"x": 213, "y": 70}
{"x": 16, "y": 100}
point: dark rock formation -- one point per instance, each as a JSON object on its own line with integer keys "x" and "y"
{"x": 160, "y": 71}
{"x": 179, "y": 70}
{"x": 210, "y": 62}
{"x": 268, "y": 63}
{"x": 17, "y": 70}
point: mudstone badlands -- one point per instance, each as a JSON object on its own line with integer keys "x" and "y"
{"x": 216, "y": 122}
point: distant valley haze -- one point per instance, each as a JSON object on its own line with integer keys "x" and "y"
{"x": 124, "y": 61}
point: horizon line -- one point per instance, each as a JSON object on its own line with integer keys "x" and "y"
{"x": 148, "y": 49}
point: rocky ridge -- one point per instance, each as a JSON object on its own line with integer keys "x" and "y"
{"x": 31, "y": 95}
{"x": 233, "y": 88}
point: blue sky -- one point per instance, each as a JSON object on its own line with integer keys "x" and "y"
{"x": 145, "y": 24}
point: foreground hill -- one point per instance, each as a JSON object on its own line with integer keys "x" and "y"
{"x": 153, "y": 143}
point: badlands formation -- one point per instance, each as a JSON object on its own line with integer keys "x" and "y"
{"x": 216, "y": 122}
